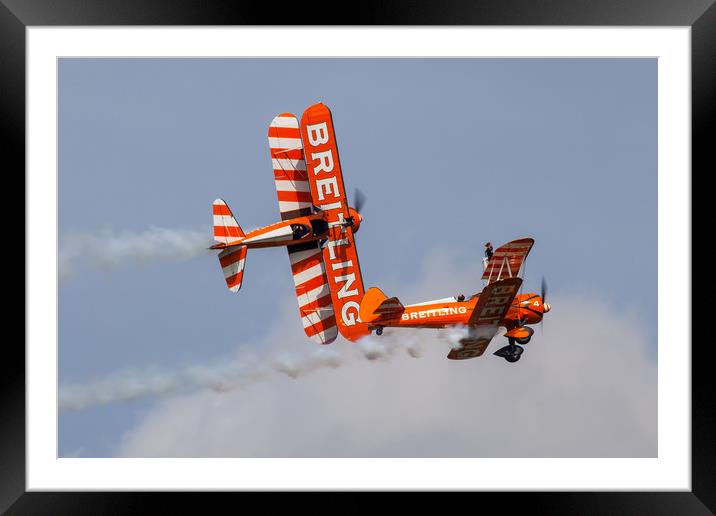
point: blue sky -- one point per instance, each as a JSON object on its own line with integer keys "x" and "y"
{"x": 450, "y": 153}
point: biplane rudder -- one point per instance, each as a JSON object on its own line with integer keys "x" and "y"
{"x": 229, "y": 235}
{"x": 375, "y": 304}
{"x": 372, "y": 299}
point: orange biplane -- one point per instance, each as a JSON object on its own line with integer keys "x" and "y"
{"x": 317, "y": 227}
{"x": 498, "y": 305}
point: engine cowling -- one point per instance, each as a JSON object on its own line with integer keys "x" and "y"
{"x": 356, "y": 218}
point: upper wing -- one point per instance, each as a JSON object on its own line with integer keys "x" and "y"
{"x": 312, "y": 292}
{"x": 289, "y": 167}
{"x": 507, "y": 260}
{"x": 493, "y": 303}
{"x": 339, "y": 254}
{"x": 324, "y": 167}
{"x": 294, "y": 200}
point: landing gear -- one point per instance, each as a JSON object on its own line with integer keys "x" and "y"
{"x": 512, "y": 352}
{"x": 379, "y": 330}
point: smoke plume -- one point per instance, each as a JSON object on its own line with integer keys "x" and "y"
{"x": 585, "y": 387}
{"x": 246, "y": 368}
{"x": 109, "y": 250}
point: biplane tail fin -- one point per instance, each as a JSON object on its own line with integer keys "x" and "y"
{"x": 226, "y": 230}
{"x": 376, "y": 304}
{"x": 232, "y": 260}
{"x": 229, "y": 235}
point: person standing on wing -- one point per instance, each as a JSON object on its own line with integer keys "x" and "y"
{"x": 488, "y": 250}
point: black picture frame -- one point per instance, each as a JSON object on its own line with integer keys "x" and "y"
{"x": 16, "y": 15}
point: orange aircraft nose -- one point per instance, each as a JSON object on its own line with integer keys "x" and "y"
{"x": 357, "y": 218}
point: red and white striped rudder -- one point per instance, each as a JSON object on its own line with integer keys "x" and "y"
{"x": 226, "y": 229}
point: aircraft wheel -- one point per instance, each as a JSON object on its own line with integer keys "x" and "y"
{"x": 379, "y": 331}
{"x": 512, "y": 352}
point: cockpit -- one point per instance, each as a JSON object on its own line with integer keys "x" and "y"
{"x": 299, "y": 231}
{"x": 319, "y": 226}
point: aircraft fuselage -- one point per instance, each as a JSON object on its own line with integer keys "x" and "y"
{"x": 528, "y": 308}
{"x": 308, "y": 228}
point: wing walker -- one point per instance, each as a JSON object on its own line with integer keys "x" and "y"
{"x": 318, "y": 229}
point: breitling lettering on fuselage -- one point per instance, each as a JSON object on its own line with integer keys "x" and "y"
{"x": 435, "y": 312}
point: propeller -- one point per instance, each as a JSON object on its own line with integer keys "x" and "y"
{"x": 545, "y": 306}
{"x": 359, "y": 200}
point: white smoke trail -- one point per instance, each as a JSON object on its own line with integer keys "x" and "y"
{"x": 452, "y": 335}
{"x": 108, "y": 250}
{"x": 244, "y": 369}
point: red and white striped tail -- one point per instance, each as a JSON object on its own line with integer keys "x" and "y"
{"x": 312, "y": 292}
{"x": 289, "y": 167}
{"x": 232, "y": 262}
{"x": 226, "y": 229}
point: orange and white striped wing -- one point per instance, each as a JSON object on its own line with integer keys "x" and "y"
{"x": 232, "y": 261}
{"x": 289, "y": 167}
{"x": 507, "y": 260}
{"x": 312, "y": 292}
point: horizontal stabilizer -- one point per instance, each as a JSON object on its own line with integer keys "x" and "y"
{"x": 232, "y": 262}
